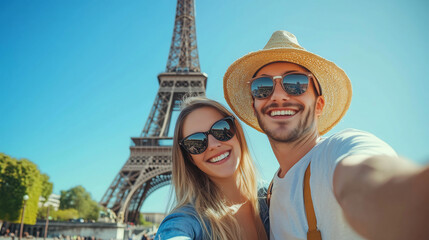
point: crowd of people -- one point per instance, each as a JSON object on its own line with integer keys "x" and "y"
{"x": 26, "y": 235}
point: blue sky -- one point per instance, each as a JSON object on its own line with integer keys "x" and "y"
{"x": 78, "y": 78}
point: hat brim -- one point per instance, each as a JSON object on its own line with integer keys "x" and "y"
{"x": 335, "y": 84}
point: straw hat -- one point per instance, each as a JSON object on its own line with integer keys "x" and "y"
{"x": 283, "y": 46}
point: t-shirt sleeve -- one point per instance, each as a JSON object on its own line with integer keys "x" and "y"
{"x": 347, "y": 143}
{"x": 179, "y": 226}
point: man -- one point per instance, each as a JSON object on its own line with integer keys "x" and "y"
{"x": 359, "y": 188}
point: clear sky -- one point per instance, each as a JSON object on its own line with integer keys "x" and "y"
{"x": 78, "y": 78}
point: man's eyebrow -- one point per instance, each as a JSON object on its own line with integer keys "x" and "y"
{"x": 290, "y": 71}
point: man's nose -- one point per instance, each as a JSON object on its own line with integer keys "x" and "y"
{"x": 278, "y": 93}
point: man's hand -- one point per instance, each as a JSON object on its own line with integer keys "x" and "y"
{"x": 384, "y": 197}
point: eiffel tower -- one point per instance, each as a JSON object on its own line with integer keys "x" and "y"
{"x": 149, "y": 165}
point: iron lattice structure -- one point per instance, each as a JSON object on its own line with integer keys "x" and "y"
{"x": 149, "y": 165}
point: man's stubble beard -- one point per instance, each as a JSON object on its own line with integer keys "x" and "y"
{"x": 304, "y": 127}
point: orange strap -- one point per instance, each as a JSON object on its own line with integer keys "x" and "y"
{"x": 313, "y": 233}
{"x": 269, "y": 192}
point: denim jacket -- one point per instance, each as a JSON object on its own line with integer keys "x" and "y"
{"x": 183, "y": 223}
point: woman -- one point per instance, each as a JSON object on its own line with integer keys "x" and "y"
{"x": 214, "y": 178}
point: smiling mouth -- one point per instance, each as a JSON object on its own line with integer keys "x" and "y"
{"x": 219, "y": 158}
{"x": 282, "y": 113}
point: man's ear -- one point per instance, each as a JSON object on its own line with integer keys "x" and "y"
{"x": 320, "y": 104}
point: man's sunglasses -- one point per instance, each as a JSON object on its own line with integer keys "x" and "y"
{"x": 196, "y": 143}
{"x": 293, "y": 83}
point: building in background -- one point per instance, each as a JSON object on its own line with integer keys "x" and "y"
{"x": 53, "y": 200}
{"x": 155, "y": 218}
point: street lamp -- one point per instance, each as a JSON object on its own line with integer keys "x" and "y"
{"x": 47, "y": 221}
{"x": 26, "y": 197}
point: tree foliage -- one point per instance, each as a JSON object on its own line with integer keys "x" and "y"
{"x": 12, "y": 189}
{"x": 59, "y": 215}
{"x": 18, "y": 178}
{"x": 144, "y": 222}
{"x": 78, "y": 198}
{"x": 47, "y": 187}
{"x": 67, "y": 214}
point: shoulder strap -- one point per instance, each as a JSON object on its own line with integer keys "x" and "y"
{"x": 313, "y": 233}
{"x": 269, "y": 192}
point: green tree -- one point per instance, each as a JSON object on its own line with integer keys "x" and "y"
{"x": 42, "y": 211}
{"x": 46, "y": 187}
{"x": 18, "y": 178}
{"x": 144, "y": 222}
{"x": 78, "y": 198}
{"x": 12, "y": 188}
{"x": 59, "y": 215}
{"x": 65, "y": 215}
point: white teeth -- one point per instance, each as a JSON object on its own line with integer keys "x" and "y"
{"x": 219, "y": 158}
{"x": 282, "y": 113}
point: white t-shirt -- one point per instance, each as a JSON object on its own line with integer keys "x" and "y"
{"x": 287, "y": 212}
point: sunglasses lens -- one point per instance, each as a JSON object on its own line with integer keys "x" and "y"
{"x": 195, "y": 143}
{"x": 262, "y": 87}
{"x": 295, "y": 84}
{"x": 223, "y": 130}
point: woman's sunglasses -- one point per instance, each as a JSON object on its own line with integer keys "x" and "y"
{"x": 196, "y": 143}
{"x": 292, "y": 83}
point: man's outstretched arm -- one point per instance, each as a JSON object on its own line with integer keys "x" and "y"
{"x": 384, "y": 197}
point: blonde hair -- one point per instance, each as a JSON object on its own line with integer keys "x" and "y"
{"x": 193, "y": 186}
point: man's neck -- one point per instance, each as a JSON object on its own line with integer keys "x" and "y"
{"x": 288, "y": 154}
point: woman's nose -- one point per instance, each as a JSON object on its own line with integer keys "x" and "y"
{"x": 213, "y": 142}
